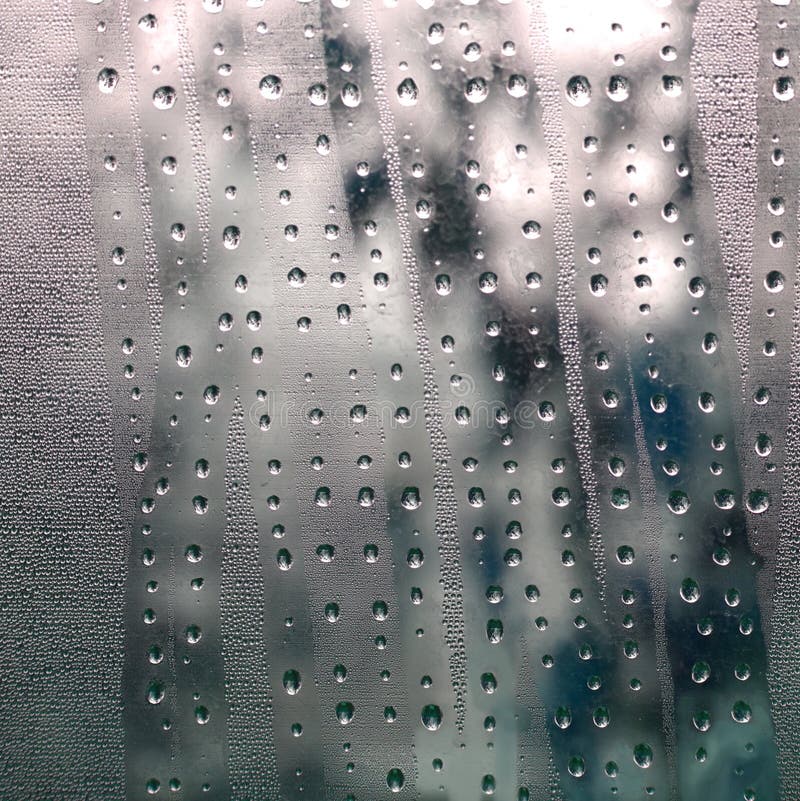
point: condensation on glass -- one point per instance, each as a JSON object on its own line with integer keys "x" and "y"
{"x": 399, "y": 400}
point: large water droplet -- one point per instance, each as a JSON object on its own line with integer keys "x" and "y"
{"x": 395, "y": 779}
{"x": 270, "y": 87}
{"x": 431, "y": 717}
{"x": 164, "y": 97}
{"x": 407, "y": 92}
{"x": 107, "y": 79}
{"x": 476, "y": 90}
{"x": 579, "y": 90}
{"x": 618, "y": 88}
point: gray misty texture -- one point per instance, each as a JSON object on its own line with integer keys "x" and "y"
{"x": 399, "y": 399}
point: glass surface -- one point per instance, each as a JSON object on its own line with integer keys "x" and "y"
{"x": 399, "y": 399}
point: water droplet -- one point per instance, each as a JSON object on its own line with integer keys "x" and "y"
{"x": 517, "y": 86}
{"x": 148, "y": 22}
{"x": 107, "y": 80}
{"x": 344, "y": 712}
{"x": 407, "y": 92}
{"x": 431, "y": 717}
{"x": 531, "y": 229}
{"x": 155, "y": 691}
{"x": 579, "y": 90}
{"x": 318, "y": 94}
{"x": 292, "y": 682}
{"x": 690, "y": 591}
{"x": 678, "y": 502}
{"x": 741, "y": 712}
{"x": 476, "y": 90}
{"x": 164, "y": 97}
{"x": 618, "y": 88}
{"x": 783, "y": 88}
{"x": 231, "y": 237}
{"x": 576, "y": 766}
{"x": 643, "y": 755}
{"x": 410, "y": 498}
{"x": 671, "y": 85}
{"x": 351, "y": 95}
{"x": 183, "y": 356}
{"x": 758, "y": 502}
{"x": 271, "y": 87}
{"x": 395, "y": 779}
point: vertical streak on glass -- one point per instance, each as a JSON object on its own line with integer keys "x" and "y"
{"x": 774, "y": 277}
{"x": 754, "y": 175}
{"x": 735, "y": 52}
{"x": 332, "y": 419}
{"x": 62, "y": 547}
{"x": 175, "y": 718}
{"x": 407, "y": 457}
{"x": 594, "y": 167}
{"x": 301, "y": 761}
{"x": 784, "y": 644}
{"x": 172, "y": 699}
{"x": 689, "y": 416}
{"x": 652, "y": 531}
{"x": 537, "y": 769}
{"x": 724, "y": 69}
{"x": 154, "y": 296}
{"x": 771, "y": 448}
{"x": 444, "y": 497}
{"x": 123, "y": 243}
{"x": 555, "y": 137}
{"x": 248, "y": 693}
{"x": 199, "y": 158}
{"x": 463, "y": 239}
{"x": 439, "y": 245}
{"x": 686, "y": 362}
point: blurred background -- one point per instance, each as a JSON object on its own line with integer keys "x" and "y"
{"x": 399, "y": 400}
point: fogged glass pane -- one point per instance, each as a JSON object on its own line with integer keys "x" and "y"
{"x": 399, "y": 400}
